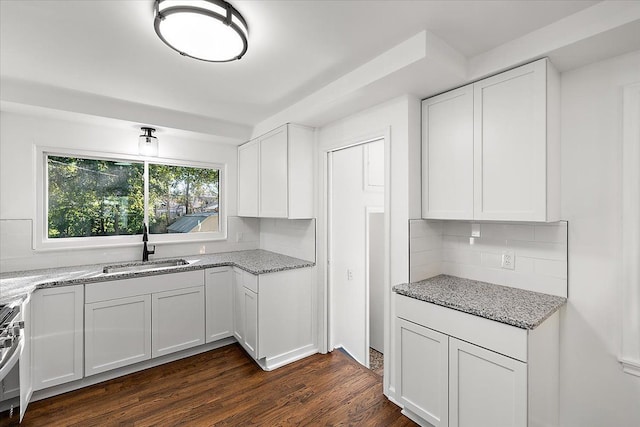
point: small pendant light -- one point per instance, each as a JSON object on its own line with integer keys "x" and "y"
{"x": 147, "y": 143}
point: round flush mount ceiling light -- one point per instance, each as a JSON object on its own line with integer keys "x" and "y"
{"x": 208, "y": 30}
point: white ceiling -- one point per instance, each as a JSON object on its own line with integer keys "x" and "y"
{"x": 109, "y": 49}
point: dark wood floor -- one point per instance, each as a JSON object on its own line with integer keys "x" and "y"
{"x": 225, "y": 387}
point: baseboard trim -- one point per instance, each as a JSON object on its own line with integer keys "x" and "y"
{"x": 126, "y": 370}
{"x": 271, "y": 363}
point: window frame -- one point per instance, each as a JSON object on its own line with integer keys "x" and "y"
{"x": 41, "y": 240}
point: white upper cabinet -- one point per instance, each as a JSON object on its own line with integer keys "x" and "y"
{"x": 508, "y": 125}
{"x": 248, "y": 178}
{"x": 273, "y": 193}
{"x": 447, "y": 155}
{"x": 275, "y": 174}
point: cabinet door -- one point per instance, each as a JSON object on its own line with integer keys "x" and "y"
{"x": 447, "y": 155}
{"x": 510, "y": 145}
{"x": 219, "y": 303}
{"x": 238, "y": 305}
{"x": 422, "y": 376}
{"x": 178, "y": 320}
{"x": 250, "y": 312}
{"x": 273, "y": 174}
{"x": 57, "y": 346}
{"x": 117, "y": 333}
{"x": 485, "y": 388}
{"x": 248, "y": 179}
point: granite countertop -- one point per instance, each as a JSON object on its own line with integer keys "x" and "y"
{"x": 513, "y": 306}
{"x": 14, "y": 285}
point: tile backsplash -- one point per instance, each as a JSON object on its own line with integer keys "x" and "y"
{"x": 447, "y": 247}
{"x": 293, "y": 237}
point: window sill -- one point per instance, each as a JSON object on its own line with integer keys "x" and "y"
{"x": 86, "y": 245}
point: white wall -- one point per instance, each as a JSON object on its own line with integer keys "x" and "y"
{"x": 401, "y": 116}
{"x": 594, "y": 390}
{"x": 20, "y": 132}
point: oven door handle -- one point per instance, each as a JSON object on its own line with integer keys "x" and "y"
{"x": 14, "y": 355}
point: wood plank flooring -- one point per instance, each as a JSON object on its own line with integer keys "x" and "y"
{"x": 224, "y": 387}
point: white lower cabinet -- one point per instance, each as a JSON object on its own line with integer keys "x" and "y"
{"x": 273, "y": 316}
{"x": 249, "y": 312}
{"x": 422, "y": 382}
{"x": 238, "y": 304}
{"x": 57, "y": 339}
{"x": 485, "y": 388}
{"x": 219, "y": 303}
{"x": 177, "y": 320}
{"x": 246, "y": 311}
{"x": 132, "y": 320}
{"x": 459, "y": 370}
{"x": 117, "y": 333}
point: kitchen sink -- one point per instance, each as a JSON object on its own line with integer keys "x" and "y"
{"x": 144, "y": 266}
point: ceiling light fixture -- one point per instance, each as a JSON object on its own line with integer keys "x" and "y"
{"x": 147, "y": 143}
{"x": 208, "y": 30}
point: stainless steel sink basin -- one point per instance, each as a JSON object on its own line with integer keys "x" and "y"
{"x": 144, "y": 266}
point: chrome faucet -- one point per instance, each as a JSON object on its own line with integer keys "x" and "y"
{"x": 145, "y": 250}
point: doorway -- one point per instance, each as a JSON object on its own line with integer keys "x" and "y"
{"x": 356, "y": 218}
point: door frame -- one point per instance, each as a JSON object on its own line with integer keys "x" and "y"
{"x": 325, "y": 341}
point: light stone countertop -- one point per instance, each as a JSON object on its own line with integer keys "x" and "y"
{"x": 517, "y": 307}
{"x": 14, "y": 285}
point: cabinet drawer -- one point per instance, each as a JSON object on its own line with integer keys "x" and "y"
{"x": 250, "y": 281}
{"x": 499, "y": 337}
{"x": 124, "y": 288}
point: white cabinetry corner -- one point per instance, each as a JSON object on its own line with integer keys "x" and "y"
{"x": 456, "y": 369}
{"x": 275, "y": 174}
{"x": 219, "y": 303}
{"x": 57, "y": 339}
{"x": 491, "y": 149}
{"x": 274, "y": 316}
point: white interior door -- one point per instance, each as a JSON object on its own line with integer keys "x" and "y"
{"x": 352, "y": 192}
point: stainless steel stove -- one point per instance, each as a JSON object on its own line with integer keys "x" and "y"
{"x": 11, "y": 326}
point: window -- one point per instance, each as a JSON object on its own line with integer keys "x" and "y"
{"x": 94, "y": 200}
{"x": 183, "y": 199}
{"x": 89, "y": 197}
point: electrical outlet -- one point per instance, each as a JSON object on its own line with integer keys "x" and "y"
{"x": 349, "y": 274}
{"x": 508, "y": 259}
